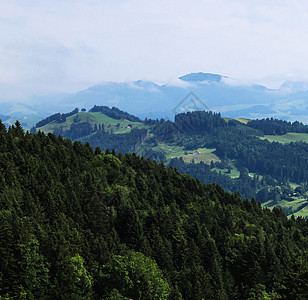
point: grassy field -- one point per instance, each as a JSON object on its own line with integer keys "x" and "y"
{"x": 303, "y": 212}
{"x": 202, "y": 154}
{"x": 295, "y": 204}
{"x": 205, "y": 155}
{"x": 293, "y": 185}
{"x": 242, "y": 120}
{"x": 117, "y": 126}
{"x": 287, "y": 138}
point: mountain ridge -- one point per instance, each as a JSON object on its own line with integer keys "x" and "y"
{"x": 149, "y": 99}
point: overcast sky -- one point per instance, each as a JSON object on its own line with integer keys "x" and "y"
{"x": 68, "y": 45}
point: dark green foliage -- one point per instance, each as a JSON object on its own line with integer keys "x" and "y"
{"x": 114, "y": 113}
{"x": 287, "y": 162}
{"x": 79, "y": 224}
{"x": 277, "y": 127}
{"x": 59, "y": 118}
{"x": 124, "y": 143}
{"x": 134, "y": 275}
{"x": 199, "y": 121}
{"x": 188, "y": 123}
{"x": 78, "y": 130}
{"x": 154, "y": 155}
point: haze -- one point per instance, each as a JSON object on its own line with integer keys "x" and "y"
{"x": 64, "y": 46}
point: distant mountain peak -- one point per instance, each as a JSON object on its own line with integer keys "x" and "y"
{"x": 202, "y": 77}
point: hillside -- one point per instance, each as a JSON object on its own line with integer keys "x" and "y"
{"x": 82, "y": 224}
{"x": 234, "y": 153}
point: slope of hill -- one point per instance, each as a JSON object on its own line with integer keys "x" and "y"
{"x": 26, "y": 121}
{"x": 214, "y": 149}
{"x": 82, "y": 224}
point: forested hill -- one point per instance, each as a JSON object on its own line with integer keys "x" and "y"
{"x": 266, "y": 159}
{"x": 82, "y": 224}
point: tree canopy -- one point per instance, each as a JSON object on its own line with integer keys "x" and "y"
{"x": 82, "y": 224}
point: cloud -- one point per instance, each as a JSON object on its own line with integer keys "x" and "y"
{"x": 179, "y": 83}
{"x": 48, "y": 46}
{"x": 234, "y": 82}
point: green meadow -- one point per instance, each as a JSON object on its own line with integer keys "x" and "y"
{"x": 201, "y": 154}
{"x": 287, "y": 138}
{"x": 295, "y": 204}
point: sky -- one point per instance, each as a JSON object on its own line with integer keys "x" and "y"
{"x": 68, "y": 45}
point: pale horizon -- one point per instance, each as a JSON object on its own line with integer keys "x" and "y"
{"x": 65, "y": 46}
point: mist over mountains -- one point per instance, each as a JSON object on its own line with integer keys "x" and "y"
{"x": 204, "y": 91}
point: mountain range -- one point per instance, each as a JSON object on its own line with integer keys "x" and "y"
{"x": 193, "y": 91}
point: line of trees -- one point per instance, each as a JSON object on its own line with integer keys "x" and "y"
{"x": 273, "y": 126}
{"x": 114, "y": 113}
{"x": 58, "y": 118}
